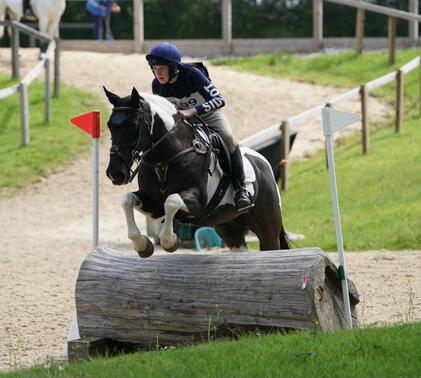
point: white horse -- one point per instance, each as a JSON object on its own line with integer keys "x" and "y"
{"x": 13, "y": 8}
{"x": 48, "y": 13}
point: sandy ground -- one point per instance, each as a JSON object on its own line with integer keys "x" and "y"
{"x": 45, "y": 229}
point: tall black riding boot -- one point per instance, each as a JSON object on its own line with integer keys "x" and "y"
{"x": 242, "y": 198}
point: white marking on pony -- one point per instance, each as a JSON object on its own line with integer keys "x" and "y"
{"x": 249, "y": 151}
{"x": 128, "y": 202}
{"x": 173, "y": 203}
{"x": 161, "y": 106}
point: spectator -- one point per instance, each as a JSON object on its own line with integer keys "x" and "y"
{"x": 100, "y": 11}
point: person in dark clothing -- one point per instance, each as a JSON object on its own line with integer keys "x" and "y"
{"x": 193, "y": 93}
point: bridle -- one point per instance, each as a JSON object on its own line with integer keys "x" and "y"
{"x": 138, "y": 156}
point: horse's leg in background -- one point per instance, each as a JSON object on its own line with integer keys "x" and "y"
{"x": 233, "y": 234}
{"x": 2, "y": 16}
{"x": 43, "y": 28}
{"x": 168, "y": 239}
{"x": 141, "y": 243}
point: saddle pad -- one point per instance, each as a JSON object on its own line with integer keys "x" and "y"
{"x": 250, "y": 175}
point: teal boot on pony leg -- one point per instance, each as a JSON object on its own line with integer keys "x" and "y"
{"x": 243, "y": 200}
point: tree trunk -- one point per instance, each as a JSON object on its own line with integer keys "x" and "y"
{"x": 183, "y": 299}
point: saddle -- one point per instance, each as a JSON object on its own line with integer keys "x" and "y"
{"x": 208, "y": 139}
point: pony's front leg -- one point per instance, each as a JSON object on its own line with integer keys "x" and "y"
{"x": 141, "y": 243}
{"x": 168, "y": 239}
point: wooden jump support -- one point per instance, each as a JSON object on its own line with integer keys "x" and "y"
{"x": 179, "y": 299}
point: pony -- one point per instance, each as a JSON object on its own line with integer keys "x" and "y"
{"x": 179, "y": 177}
{"x": 48, "y": 13}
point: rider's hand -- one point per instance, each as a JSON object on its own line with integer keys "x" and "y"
{"x": 187, "y": 113}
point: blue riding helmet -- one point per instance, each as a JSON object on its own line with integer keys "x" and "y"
{"x": 165, "y": 53}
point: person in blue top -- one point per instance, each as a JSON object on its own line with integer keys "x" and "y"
{"x": 100, "y": 11}
{"x": 193, "y": 93}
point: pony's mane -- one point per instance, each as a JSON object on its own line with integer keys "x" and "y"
{"x": 161, "y": 106}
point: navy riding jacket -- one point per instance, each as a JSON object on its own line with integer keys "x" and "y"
{"x": 191, "y": 90}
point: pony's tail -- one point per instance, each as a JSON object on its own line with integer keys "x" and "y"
{"x": 284, "y": 242}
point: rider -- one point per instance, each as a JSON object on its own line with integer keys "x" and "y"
{"x": 193, "y": 93}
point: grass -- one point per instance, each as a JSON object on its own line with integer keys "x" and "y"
{"x": 376, "y": 352}
{"x": 52, "y": 145}
{"x": 379, "y": 193}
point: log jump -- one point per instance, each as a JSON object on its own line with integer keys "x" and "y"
{"x": 172, "y": 300}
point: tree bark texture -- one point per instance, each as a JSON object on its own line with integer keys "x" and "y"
{"x": 177, "y": 299}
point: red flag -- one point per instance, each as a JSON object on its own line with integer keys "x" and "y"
{"x": 88, "y": 122}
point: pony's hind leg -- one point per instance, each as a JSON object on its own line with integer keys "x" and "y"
{"x": 234, "y": 235}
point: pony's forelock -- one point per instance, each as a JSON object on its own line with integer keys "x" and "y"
{"x": 161, "y": 106}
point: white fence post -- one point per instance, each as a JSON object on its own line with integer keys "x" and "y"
{"x": 24, "y": 113}
{"x": 47, "y": 90}
{"x": 138, "y": 25}
{"x": 318, "y": 23}
{"x": 57, "y": 68}
{"x": 335, "y": 120}
{"x": 227, "y": 25}
{"x": 15, "y": 53}
{"x": 413, "y": 25}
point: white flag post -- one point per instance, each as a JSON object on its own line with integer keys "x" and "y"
{"x": 95, "y": 192}
{"x": 335, "y": 120}
{"x": 90, "y": 122}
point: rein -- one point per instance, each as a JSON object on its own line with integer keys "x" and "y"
{"x": 160, "y": 167}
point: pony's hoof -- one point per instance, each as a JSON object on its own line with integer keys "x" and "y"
{"x": 148, "y": 252}
{"x": 174, "y": 247}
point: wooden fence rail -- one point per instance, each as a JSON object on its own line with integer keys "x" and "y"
{"x": 393, "y": 14}
{"x": 44, "y": 65}
{"x": 283, "y": 127}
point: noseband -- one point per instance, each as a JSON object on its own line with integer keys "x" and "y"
{"x": 115, "y": 149}
{"x": 161, "y": 166}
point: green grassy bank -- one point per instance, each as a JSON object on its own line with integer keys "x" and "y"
{"x": 379, "y": 352}
{"x": 380, "y": 194}
{"x": 51, "y": 144}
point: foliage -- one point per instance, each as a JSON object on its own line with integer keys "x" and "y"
{"x": 52, "y": 144}
{"x": 376, "y": 352}
{"x": 177, "y": 19}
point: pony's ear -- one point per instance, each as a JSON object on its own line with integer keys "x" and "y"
{"x": 136, "y": 97}
{"x": 111, "y": 96}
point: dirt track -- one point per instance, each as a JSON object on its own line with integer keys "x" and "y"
{"x": 45, "y": 229}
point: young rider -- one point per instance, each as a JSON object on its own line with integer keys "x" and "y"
{"x": 193, "y": 93}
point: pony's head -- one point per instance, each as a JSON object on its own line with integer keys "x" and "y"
{"x": 133, "y": 124}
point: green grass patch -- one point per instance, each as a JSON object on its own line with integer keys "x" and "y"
{"x": 51, "y": 144}
{"x": 379, "y": 193}
{"x": 377, "y": 352}
{"x": 344, "y": 69}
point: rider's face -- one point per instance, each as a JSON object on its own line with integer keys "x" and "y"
{"x": 161, "y": 73}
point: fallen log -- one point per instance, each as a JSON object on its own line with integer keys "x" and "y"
{"x": 177, "y": 299}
